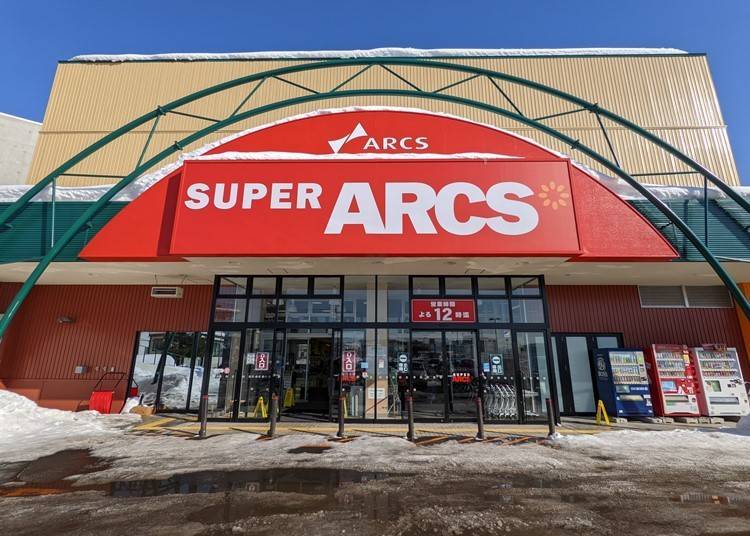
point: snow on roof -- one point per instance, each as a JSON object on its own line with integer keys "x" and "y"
{"x": 280, "y": 155}
{"x": 386, "y": 52}
{"x": 16, "y": 118}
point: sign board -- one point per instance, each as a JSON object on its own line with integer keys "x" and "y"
{"x": 443, "y": 310}
{"x": 496, "y": 362}
{"x": 403, "y": 363}
{"x": 519, "y": 202}
{"x": 381, "y": 207}
{"x": 262, "y": 361}
{"x": 349, "y": 366}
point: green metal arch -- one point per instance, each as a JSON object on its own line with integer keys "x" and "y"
{"x": 410, "y": 62}
{"x": 144, "y": 166}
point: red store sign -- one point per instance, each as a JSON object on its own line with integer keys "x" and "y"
{"x": 442, "y": 310}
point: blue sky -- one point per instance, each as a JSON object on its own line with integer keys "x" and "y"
{"x": 35, "y": 34}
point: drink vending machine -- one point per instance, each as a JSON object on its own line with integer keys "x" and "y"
{"x": 623, "y": 382}
{"x": 673, "y": 381}
{"x": 721, "y": 390}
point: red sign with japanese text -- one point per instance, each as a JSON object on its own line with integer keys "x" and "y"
{"x": 385, "y": 207}
{"x": 262, "y": 360}
{"x": 443, "y": 310}
{"x": 349, "y": 366}
{"x": 442, "y": 196}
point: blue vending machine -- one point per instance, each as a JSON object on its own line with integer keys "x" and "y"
{"x": 623, "y": 382}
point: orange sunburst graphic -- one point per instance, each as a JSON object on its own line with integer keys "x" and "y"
{"x": 554, "y": 195}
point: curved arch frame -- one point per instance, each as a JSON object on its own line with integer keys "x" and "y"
{"x": 237, "y": 117}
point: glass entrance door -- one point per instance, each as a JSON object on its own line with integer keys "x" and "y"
{"x": 428, "y": 374}
{"x": 444, "y": 374}
{"x": 573, "y": 357}
{"x": 306, "y": 374}
{"x": 463, "y": 381}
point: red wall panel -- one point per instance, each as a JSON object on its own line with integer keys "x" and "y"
{"x": 618, "y": 309}
{"x": 40, "y": 354}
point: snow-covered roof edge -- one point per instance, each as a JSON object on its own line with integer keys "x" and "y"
{"x": 385, "y": 52}
{"x": 17, "y": 118}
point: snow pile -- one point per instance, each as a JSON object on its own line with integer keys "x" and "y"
{"x": 742, "y": 428}
{"x": 383, "y": 52}
{"x": 676, "y": 448}
{"x": 160, "y": 457}
{"x": 28, "y": 431}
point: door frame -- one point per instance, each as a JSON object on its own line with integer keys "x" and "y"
{"x": 561, "y": 351}
{"x": 447, "y": 375}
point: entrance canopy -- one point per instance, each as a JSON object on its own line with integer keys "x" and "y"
{"x": 378, "y": 182}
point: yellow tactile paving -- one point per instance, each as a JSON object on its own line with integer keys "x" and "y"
{"x": 326, "y": 429}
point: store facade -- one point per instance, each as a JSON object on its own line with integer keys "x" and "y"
{"x": 344, "y": 258}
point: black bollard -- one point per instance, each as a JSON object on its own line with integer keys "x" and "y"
{"x": 480, "y": 419}
{"x": 203, "y": 416}
{"x": 274, "y": 410}
{"x": 410, "y": 417}
{"x": 342, "y": 401}
{"x": 551, "y": 417}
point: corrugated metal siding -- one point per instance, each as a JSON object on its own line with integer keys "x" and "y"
{"x": 30, "y": 237}
{"x": 672, "y": 95}
{"x": 725, "y": 235}
{"x": 38, "y": 355}
{"x": 107, "y": 318}
{"x": 617, "y": 309}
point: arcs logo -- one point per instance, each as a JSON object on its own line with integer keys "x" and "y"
{"x": 378, "y": 144}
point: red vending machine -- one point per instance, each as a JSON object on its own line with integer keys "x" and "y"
{"x": 673, "y": 380}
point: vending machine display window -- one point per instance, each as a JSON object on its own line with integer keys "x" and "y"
{"x": 673, "y": 381}
{"x": 722, "y": 392}
{"x": 623, "y": 382}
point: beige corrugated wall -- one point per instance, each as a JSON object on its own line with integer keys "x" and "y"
{"x": 673, "y": 96}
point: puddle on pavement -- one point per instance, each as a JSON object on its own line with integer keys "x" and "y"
{"x": 48, "y": 475}
{"x": 285, "y": 480}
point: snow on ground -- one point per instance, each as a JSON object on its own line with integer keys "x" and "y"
{"x": 675, "y": 448}
{"x": 159, "y": 457}
{"x": 28, "y": 431}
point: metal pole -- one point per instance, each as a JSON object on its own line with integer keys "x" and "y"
{"x": 342, "y": 401}
{"x": 274, "y": 411}
{"x": 410, "y": 417}
{"x": 705, "y": 210}
{"x": 480, "y": 419}
{"x": 203, "y": 416}
{"x": 551, "y": 418}
{"x": 54, "y": 199}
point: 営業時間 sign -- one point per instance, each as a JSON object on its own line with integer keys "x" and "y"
{"x": 443, "y": 310}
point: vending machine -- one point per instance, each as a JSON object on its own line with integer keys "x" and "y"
{"x": 623, "y": 383}
{"x": 721, "y": 391}
{"x": 673, "y": 381}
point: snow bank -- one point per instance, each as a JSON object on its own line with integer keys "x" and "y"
{"x": 160, "y": 457}
{"x": 676, "y": 448}
{"x": 28, "y": 431}
{"x": 384, "y": 52}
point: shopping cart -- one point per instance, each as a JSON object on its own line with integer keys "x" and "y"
{"x": 101, "y": 399}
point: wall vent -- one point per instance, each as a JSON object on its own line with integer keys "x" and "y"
{"x": 166, "y": 292}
